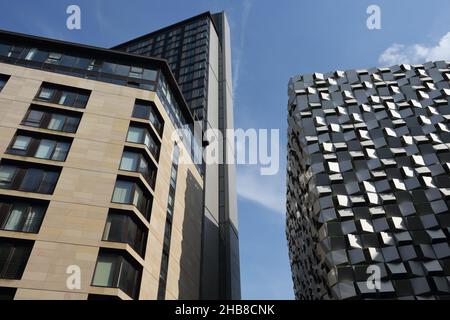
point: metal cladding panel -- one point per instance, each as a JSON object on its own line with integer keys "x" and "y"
{"x": 368, "y": 183}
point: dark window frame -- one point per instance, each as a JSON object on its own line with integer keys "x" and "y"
{"x": 146, "y": 208}
{"x": 3, "y": 81}
{"x": 138, "y": 242}
{"x": 47, "y": 117}
{"x": 155, "y": 145}
{"x": 80, "y": 98}
{"x": 13, "y": 245}
{"x": 35, "y": 143}
{"x": 7, "y": 205}
{"x": 20, "y": 172}
{"x": 122, "y": 257}
{"x": 158, "y": 124}
{"x": 150, "y": 175}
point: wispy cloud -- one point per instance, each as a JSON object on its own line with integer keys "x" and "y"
{"x": 238, "y": 51}
{"x": 416, "y": 53}
{"x": 267, "y": 191}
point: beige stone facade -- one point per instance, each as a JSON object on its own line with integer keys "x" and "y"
{"x": 73, "y": 225}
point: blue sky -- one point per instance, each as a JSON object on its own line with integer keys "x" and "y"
{"x": 271, "y": 41}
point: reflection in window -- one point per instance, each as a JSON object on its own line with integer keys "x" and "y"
{"x": 51, "y": 120}
{"x": 71, "y": 97}
{"x": 127, "y": 192}
{"x": 141, "y": 135}
{"x": 147, "y": 110}
{"x": 28, "y": 179}
{"x": 123, "y": 228}
{"x": 24, "y": 145}
{"x": 21, "y": 216}
{"x": 115, "y": 271}
{"x": 136, "y": 162}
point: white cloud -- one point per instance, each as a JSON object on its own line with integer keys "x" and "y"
{"x": 416, "y": 53}
{"x": 267, "y": 191}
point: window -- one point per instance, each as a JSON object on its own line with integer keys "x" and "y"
{"x": 28, "y": 179}
{"x": 21, "y": 216}
{"x": 67, "y": 61}
{"x": 71, "y": 97}
{"x": 168, "y": 226}
{"x": 130, "y": 161}
{"x": 115, "y": 271}
{"x": 136, "y": 72}
{"x": 14, "y": 256}
{"x": 84, "y": 67}
{"x": 54, "y": 58}
{"x": 108, "y": 67}
{"x": 3, "y": 81}
{"x": 36, "y": 55}
{"x": 7, "y": 294}
{"x": 21, "y": 144}
{"x": 6, "y": 176}
{"x": 147, "y": 110}
{"x": 122, "y": 70}
{"x": 16, "y": 51}
{"x": 46, "y": 93}
{"x": 127, "y": 192}
{"x": 122, "y": 228}
{"x": 134, "y": 161}
{"x": 46, "y": 119}
{"x": 141, "y": 135}
{"x": 50, "y": 149}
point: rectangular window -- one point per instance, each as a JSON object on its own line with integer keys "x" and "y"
{"x": 121, "y": 227}
{"x": 16, "y": 51}
{"x": 123, "y": 192}
{"x": 46, "y": 119}
{"x": 3, "y": 80}
{"x": 168, "y": 226}
{"x": 147, "y": 110}
{"x": 28, "y": 179}
{"x": 7, "y": 174}
{"x": 54, "y": 58}
{"x": 141, "y": 135}
{"x": 21, "y": 144}
{"x": 122, "y": 70}
{"x": 31, "y": 146}
{"x": 135, "y": 161}
{"x": 130, "y": 161}
{"x": 68, "y": 61}
{"x": 36, "y": 55}
{"x": 7, "y": 294}
{"x": 136, "y": 72}
{"x": 116, "y": 271}
{"x": 128, "y": 192}
{"x": 14, "y": 256}
{"x": 20, "y": 215}
{"x": 67, "y": 96}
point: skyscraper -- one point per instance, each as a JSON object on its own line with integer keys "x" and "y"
{"x": 94, "y": 203}
{"x": 368, "y": 189}
{"x": 198, "y": 51}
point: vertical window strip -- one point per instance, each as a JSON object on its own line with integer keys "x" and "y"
{"x": 168, "y": 227}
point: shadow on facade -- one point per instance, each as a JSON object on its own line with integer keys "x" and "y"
{"x": 190, "y": 260}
